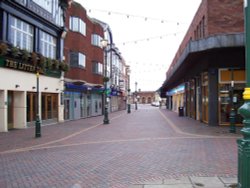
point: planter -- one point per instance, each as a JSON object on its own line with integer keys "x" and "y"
{"x": 3, "y": 49}
{"x": 15, "y": 52}
{"x": 25, "y": 55}
{"x": 64, "y": 66}
{"x": 105, "y": 79}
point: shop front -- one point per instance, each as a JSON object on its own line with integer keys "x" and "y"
{"x": 231, "y": 88}
{"x": 18, "y": 99}
{"x": 82, "y": 101}
{"x": 176, "y": 98}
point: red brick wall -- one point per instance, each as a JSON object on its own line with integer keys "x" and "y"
{"x": 77, "y": 42}
{"x": 220, "y": 17}
{"x": 146, "y": 95}
{"x": 225, "y": 16}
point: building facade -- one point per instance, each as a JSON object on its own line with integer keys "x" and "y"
{"x": 209, "y": 64}
{"x": 31, "y": 63}
{"x": 83, "y": 93}
{"x": 116, "y": 72}
{"x": 144, "y": 97}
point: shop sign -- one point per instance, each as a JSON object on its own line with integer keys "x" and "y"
{"x": 19, "y": 66}
{"x": 178, "y": 89}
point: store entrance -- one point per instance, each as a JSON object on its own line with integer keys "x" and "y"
{"x": 225, "y": 103}
{"x": 205, "y": 104}
{"x": 10, "y": 109}
{"x": 49, "y": 106}
{"x": 31, "y": 106}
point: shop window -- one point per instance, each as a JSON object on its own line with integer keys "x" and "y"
{"x": 205, "y": 100}
{"x": 49, "y": 106}
{"x": 230, "y": 98}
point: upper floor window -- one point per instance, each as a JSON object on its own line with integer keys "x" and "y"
{"x": 21, "y": 34}
{"x": 199, "y": 32}
{"x": 97, "y": 68}
{"x": 96, "y": 40}
{"x": 77, "y": 60}
{"x": 77, "y": 25}
{"x": 45, "y": 4}
{"x": 22, "y": 2}
{"x": 48, "y": 45}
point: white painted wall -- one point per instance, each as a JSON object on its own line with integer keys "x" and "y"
{"x": 26, "y": 82}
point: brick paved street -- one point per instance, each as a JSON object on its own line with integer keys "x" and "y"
{"x": 149, "y": 144}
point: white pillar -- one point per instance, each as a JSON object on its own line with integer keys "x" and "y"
{"x": 3, "y": 111}
{"x": 20, "y": 110}
{"x": 60, "y": 107}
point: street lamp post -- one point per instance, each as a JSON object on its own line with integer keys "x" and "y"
{"x": 38, "y": 122}
{"x": 104, "y": 44}
{"x": 244, "y": 110}
{"x": 136, "y": 95}
{"x": 128, "y": 97}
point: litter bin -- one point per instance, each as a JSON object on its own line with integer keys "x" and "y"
{"x": 181, "y": 111}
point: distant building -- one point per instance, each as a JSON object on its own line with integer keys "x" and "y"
{"x": 209, "y": 64}
{"x": 144, "y": 97}
{"x": 116, "y": 71}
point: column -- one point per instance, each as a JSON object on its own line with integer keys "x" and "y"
{"x": 3, "y": 111}
{"x": 20, "y": 109}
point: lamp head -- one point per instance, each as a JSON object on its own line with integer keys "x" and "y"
{"x": 104, "y": 43}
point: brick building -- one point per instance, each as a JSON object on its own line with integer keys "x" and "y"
{"x": 144, "y": 97}
{"x": 207, "y": 75}
{"x": 83, "y": 52}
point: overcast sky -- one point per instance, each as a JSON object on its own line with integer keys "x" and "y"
{"x": 147, "y": 33}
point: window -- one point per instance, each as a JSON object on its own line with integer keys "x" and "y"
{"x": 77, "y": 25}
{"x": 45, "y": 4}
{"x": 97, "y": 68}
{"x": 48, "y": 45}
{"x": 199, "y": 32}
{"x": 77, "y": 60}
{"x": 21, "y": 34}
{"x": 96, "y": 40}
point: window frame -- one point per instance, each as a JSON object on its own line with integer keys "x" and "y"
{"x": 47, "y": 47}
{"x": 76, "y": 24}
{"x": 97, "y": 68}
{"x": 77, "y": 60}
{"x": 27, "y": 36}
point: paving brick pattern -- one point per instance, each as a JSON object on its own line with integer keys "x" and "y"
{"x": 147, "y": 145}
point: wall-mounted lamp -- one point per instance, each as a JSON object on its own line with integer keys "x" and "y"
{"x": 33, "y": 87}
{"x": 57, "y": 89}
{"x": 45, "y": 88}
{"x": 64, "y": 32}
{"x": 17, "y": 86}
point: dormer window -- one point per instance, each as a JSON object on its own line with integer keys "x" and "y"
{"x": 45, "y": 4}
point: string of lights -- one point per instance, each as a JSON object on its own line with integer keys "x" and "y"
{"x": 128, "y": 16}
{"x": 143, "y": 18}
{"x": 147, "y": 39}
